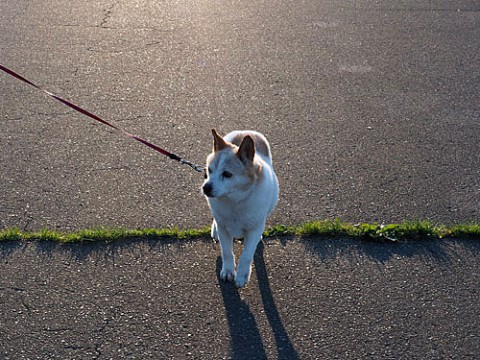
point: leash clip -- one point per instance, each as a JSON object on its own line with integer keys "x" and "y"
{"x": 196, "y": 167}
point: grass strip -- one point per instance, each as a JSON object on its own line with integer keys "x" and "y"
{"x": 407, "y": 230}
{"x": 100, "y": 234}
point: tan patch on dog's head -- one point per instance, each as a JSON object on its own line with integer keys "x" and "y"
{"x": 218, "y": 142}
{"x": 260, "y": 144}
{"x": 246, "y": 154}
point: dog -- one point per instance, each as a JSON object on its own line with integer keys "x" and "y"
{"x": 241, "y": 188}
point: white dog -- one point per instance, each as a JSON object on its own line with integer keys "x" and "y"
{"x": 242, "y": 190}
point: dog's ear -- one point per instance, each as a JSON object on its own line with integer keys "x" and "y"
{"x": 246, "y": 151}
{"x": 218, "y": 142}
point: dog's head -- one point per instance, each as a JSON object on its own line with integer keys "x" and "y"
{"x": 231, "y": 170}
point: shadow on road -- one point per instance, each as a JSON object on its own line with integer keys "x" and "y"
{"x": 106, "y": 250}
{"x": 284, "y": 345}
{"x": 7, "y": 248}
{"x": 246, "y": 340}
{"x": 434, "y": 249}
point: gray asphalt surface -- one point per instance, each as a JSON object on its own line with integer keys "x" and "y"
{"x": 311, "y": 299}
{"x": 372, "y": 112}
{"x": 371, "y": 108}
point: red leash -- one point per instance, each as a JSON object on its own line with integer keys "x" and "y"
{"x": 172, "y": 156}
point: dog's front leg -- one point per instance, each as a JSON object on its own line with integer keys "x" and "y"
{"x": 228, "y": 257}
{"x": 244, "y": 270}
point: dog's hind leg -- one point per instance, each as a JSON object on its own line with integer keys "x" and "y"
{"x": 245, "y": 262}
{"x": 214, "y": 231}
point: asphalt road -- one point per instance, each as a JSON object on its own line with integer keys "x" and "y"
{"x": 372, "y": 112}
{"x": 371, "y": 108}
{"x": 310, "y": 299}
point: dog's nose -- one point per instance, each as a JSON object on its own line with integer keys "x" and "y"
{"x": 207, "y": 189}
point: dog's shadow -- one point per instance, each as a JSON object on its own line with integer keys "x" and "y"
{"x": 246, "y": 340}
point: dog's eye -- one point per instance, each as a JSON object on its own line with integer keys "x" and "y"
{"x": 227, "y": 174}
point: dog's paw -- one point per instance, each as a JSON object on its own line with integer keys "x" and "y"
{"x": 227, "y": 275}
{"x": 242, "y": 278}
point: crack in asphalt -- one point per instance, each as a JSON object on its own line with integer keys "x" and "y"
{"x": 107, "y": 14}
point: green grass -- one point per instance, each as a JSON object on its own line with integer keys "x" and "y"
{"x": 100, "y": 234}
{"x": 407, "y": 230}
